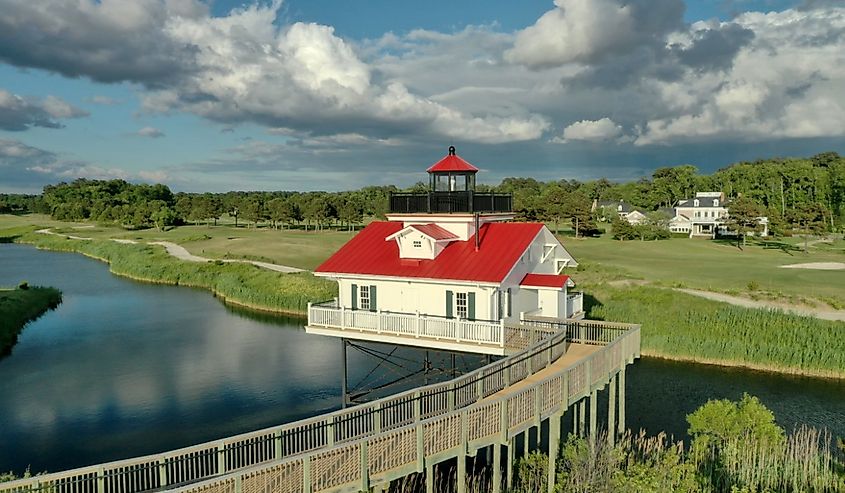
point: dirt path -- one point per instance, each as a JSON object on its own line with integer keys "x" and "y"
{"x": 181, "y": 253}
{"x": 807, "y": 311}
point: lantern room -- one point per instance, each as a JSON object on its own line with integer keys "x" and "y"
{"x": 452, "y": 174}
{"x": 451, "y": 190}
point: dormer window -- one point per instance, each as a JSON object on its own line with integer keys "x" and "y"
{"x": 695, "y": 202}
{"x": 417, "y": 244}
{"x": 715, "y": 202}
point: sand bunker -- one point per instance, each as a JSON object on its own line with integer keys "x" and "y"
{"x": 817, "y": 266}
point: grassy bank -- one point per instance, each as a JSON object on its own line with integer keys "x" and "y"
{"x": 716, "y": 266}
{"x": 684, "y": 327}
{"x": 236, "y": 283}
{"x": 21, "y": 305}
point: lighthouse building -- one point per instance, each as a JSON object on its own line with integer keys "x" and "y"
{"x": 447, "y": 270}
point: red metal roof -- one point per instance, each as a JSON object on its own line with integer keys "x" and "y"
{"x": 434, "y": 231}
{"x": 544, "y": 280}
{"x": 451, "y": 163}
{"x": 501, "y": 246}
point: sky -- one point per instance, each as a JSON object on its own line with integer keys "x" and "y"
{"x": 337, "y": 95}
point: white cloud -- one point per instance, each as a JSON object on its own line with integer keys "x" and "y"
{"x": 150, "y": 132}
{"x": 19, "y": 113}
{"x": 104, "y": 100}
{"x": 588, "y": 30}
{"x": 601, "y": 130}
{"x": 786, "y": 83}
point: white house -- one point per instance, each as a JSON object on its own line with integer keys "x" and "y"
{"x": 450, "y": 281}
{"x": 701, "y": 215}
{"x": 623, "y": 209}
{"x": 705, "y": 215}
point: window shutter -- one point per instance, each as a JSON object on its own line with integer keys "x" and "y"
{"x": 471, "y": 306}
{"x": 373, "y": 302}
{"x": 448, "y": 304}
{"x": 354, "y": 296}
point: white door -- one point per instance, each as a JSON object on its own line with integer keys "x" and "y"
{"x": 409, "y": 296}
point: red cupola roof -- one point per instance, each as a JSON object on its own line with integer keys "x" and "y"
{"x": 452, "y": 163}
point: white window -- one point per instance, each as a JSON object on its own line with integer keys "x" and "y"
{"x": 715, "y": 202}
{"x": 461, "y": 305}
{"x": 417, "y": 243}
{"x": 364, "y": 297}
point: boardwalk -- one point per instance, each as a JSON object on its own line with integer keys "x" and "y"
{"x": 378, "y": 442}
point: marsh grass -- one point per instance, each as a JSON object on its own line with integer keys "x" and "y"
{"x": 237, "y": 283}
{"x": 19, "y": 306}
{"x": 683, "y": 326}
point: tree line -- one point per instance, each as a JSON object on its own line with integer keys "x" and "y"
{"x": 796, "y": 194}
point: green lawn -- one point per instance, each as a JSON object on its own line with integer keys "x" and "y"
{"x": 713, "y": 265}
{"x": 296, "y": 248}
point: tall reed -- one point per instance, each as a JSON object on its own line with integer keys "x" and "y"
{"x": 683, "y": 326}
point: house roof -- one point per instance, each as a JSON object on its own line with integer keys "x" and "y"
{"x": 431, "y": 230}
{"x": 501, "y": 246}
{"x": 703, "y": 201}
{"x": 545, "y": 281}
{"x": 434, "y": 231}
{"x": 452, "y": 163}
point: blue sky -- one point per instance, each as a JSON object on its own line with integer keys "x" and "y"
{"x": 329, "y": 95}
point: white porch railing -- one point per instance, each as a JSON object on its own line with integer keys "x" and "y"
{"x": 329, "y": 315}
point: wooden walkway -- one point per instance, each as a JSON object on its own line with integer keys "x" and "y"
{"x": 574, "y": 353}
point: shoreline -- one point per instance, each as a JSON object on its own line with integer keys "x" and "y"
{"x": 225, "y": 299}
{"x": 233, "y": 301}
{"x": 828, "y": 375}
{"x": 21, "y": 305}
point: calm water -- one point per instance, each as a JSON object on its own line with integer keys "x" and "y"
{"x": 124, "y": 368}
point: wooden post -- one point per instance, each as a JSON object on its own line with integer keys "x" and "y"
{"x": 510, "y": 458}
{"x": 344, "y": 390}
{"x": 461, "y": 478}
{"x": 621, "y": 425}
{"x": 497, "y": 467}
{"x": 575, "y": 430}
{"x": 429, "y": 478}
{"x": 365, "y": 467}
{"x": 306, "y": 475}
{"x": 526, "y": 438}
{"x": 611, "y": 412}
{"x": 554, "y": 444}
{"x": 593, "y": 412}
{"x": 582, "y": 414}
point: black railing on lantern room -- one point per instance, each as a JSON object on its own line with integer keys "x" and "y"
{"x": 446, "y": 202}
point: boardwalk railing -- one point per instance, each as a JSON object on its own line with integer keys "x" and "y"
{"x": 330, "y": 315}
{"x": 382, "y": 440}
